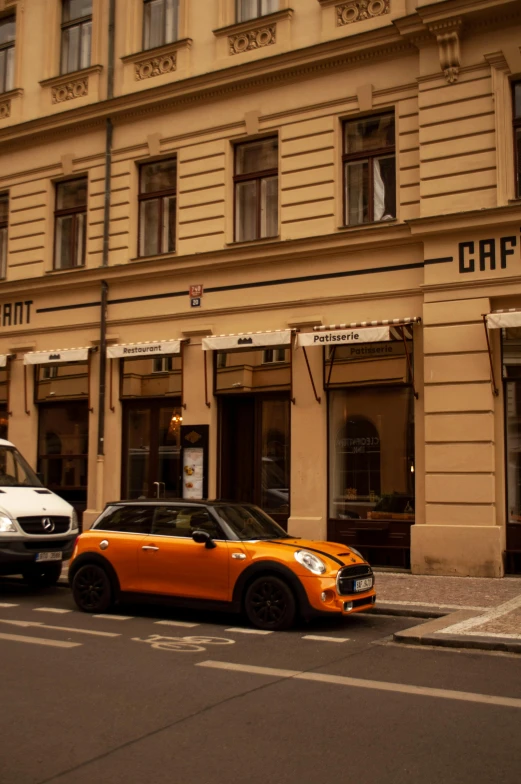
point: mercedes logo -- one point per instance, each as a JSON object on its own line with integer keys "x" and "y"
{"x": 48, "y": 525}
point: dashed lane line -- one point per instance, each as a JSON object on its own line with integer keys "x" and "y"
{"x": 40, "y": 625}
{"x": 340, "y": 680}
{"x": 115, "y": 617}
{"x": 177, "y": 623}
{"x": 39, "y": 641}
{"x": 323, "y": 638}
{"x": 56, "y": 610}
{"x": 247, "y": 631}
{"x": 8, "y": 604}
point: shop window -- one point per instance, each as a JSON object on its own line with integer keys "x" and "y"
{"x": 7, "y": 42}
{"x": 516, "y": 89}
{"x": 76, "y": 35}
{"x": 67, "y": 381}
{"x": 369, "y": 364}
{"x": 251, "y": 9}
{"x": 4, "y": 223}
{"x": 271, "y": 355}
{"x": 247, "y": 371}
{"x": 151, "y": 377}
{"x": 157, "y": 207}
{"x": 160, "y": 22}
{"x": 256, "y": 190}
{"x": 70, "y": 224}
{"x": 369, "y": 162}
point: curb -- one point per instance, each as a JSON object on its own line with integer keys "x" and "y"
{"x": 406, "y": 612}
{"x": 440, "y": 640}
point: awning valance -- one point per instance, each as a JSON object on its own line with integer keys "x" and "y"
{"x": 400, "y": 322}
{"x": 500, "y": 319}
{"x": 56, "y": 356}
{"x": 280, "y": 337}
{"x": 3, "y": 360}
{"x": 139, "y": 350}
{"x": 343, "y": 337}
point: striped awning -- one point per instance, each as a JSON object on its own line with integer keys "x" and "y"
{"x": 57, "y": 355}
{"x": 502, "y": 319}
{"x": 159, "y": 348}
{"x": 278, "y": 337}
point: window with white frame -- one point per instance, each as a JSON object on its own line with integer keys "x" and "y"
{"x": 163, "y": 365}
{"x": 252, "y": 9}
{"x": 272, "y": 355}
{"x": 76, "y": 35}
{"x": 4, "y": 222}
{"x": 160, "y": 22}
{"x": 7, "y": 41}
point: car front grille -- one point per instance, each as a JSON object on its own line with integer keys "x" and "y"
{"x": 361, "y": 602}
{"x": 44, "y": 525}
{"x": 347, "y": 576}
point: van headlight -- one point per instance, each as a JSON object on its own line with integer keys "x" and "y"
{"x": 310, "y": 561}
{"x": 7, "y": 526}
{"x": 74, "y": 521}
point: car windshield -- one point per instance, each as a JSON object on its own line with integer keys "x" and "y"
{"x": 14, "y": 471}
{"x": 250, "y": 522}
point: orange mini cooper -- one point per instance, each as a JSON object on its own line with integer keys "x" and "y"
{"x": 215, "y": 554}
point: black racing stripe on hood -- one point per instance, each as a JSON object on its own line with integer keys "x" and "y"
{"x": 311, "y": 549}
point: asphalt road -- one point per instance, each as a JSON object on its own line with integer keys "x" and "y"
{"x": 153, "y": 695}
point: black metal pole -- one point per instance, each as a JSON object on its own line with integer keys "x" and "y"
{"x": 102, "y": 367}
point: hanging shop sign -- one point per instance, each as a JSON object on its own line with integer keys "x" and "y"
{"x": 194, "y": 449}
{"x": 56, "y": 356}
{"x": 247, "y": 340}
{"x": 344, "y": 337}
{"x": 138, "y": 350}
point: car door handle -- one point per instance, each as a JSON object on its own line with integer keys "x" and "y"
{"x": 149, "y": 547}
{"x": 238, "y": 556}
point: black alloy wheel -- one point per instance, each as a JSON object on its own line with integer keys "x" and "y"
{"x": 91, "y": 588}
{"x": 42, "y": 576}
{"x": 270, "y": 604}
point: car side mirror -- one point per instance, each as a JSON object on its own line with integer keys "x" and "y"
{"x": 203, "y": 537}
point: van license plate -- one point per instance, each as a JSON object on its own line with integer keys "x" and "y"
{"x": 48, "y": 556}
{"x": 363, "y": 585}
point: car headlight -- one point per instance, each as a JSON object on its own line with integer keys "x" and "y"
{"x": 7, "y": 526}
{"x": 310, "y": 561}
{"x": 74, "y": 521}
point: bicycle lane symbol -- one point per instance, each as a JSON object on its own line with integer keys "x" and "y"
{"x": 182, "y": 644}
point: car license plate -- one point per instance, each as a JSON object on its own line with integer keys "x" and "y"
{"x": 48, "y": 556}
{"x": 364, "y": 585}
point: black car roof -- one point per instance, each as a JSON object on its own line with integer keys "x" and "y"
{"x": 170, "y": 501}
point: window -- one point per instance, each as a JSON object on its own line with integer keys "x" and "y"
{"x": 70, "y": 220}
{"x": 157, "y": 208}
{"x": 517, "y": 134}
{"x": 7, "y": 39}
{"x": 183, "y": 521}
{"x": 4, "y": 222}
{"x": 163, "y": 364}
{"x": 256, "y": 190}
{"x": 272, "y": 355}
{"x": 127, "y": 519}
{"x": 251, "y": 9}
{"x": 76, "y": 35}
{"x": 160, "y": 22}
{"x": 369, "y": 170}
{"x": 49, "y": 371}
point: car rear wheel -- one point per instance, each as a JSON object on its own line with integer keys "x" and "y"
{"x": 91, "y": 589}
{"x": 269, "y": 604}
{"x": 42, "y": 576}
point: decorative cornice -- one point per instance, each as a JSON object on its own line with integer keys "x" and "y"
{"x": 66, "y": 87}
{"x": 360, "y": 10}
{"x": 447, "y": 34}
{"x": 158, "y": 61}
{"x": 498, "y": 61}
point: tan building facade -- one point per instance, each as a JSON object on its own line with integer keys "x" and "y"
{"x": 314, "y": 206}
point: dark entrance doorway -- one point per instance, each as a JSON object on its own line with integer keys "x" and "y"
{"x": 151, "y": 464}
{"x": 255, "y": 451}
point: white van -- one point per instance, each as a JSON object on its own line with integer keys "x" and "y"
{"x": 37, "y": 528}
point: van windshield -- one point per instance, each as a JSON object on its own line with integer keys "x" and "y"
{"x": 14, "y": 471}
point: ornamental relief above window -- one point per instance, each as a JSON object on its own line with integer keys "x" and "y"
{"x": 360, "y": 10}
{"x": 253, "y": 39}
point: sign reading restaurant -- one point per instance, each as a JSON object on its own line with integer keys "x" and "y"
{"x": 15, "y": 314}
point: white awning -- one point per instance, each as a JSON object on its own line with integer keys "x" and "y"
{"x": 343, "y": 337}
{"x": 3, "y": 360}
{"x": 280, "y": 337}
{"x": 399, "y": 322}
{"x": 504, "y": 318}
{"x": 140, "y": 350}
{"x": 56, "y": 356}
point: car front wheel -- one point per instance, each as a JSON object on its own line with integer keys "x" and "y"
{"x": 42, "y": 576}
{"x": 91, "y": 589}
{"x": 269, "y": 604}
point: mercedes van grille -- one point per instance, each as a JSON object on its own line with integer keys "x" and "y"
{"x": 44, "y": 525}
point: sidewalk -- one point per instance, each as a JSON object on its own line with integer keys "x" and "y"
{"x": 465, "y": 612}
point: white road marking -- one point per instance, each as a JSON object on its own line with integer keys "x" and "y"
{"x": 433, "y": 604}
{"x": 8, "y": 604}
{"x": 56, "y": 610}
{"x": 247, "y": 631}
{"x": 177, "y": 623}
{"x": 115, "y": 617}
{"x": 40, "y": 625}
{"x": 340, "y": 680}
{"x": 40, "y": 641}
{"x": 495, "y": 612}
{"x": 325, "y": 639}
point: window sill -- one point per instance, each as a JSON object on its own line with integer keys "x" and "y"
{"x": 372, "y": 225}
{"x": 64, "y": 271}
{"x": 74, "y": 85}
{"x": 168, "y": 61}
{"x": 254, "y": 34}
{"x": 158, "y": 257}
{"x": 249, "y": 243}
